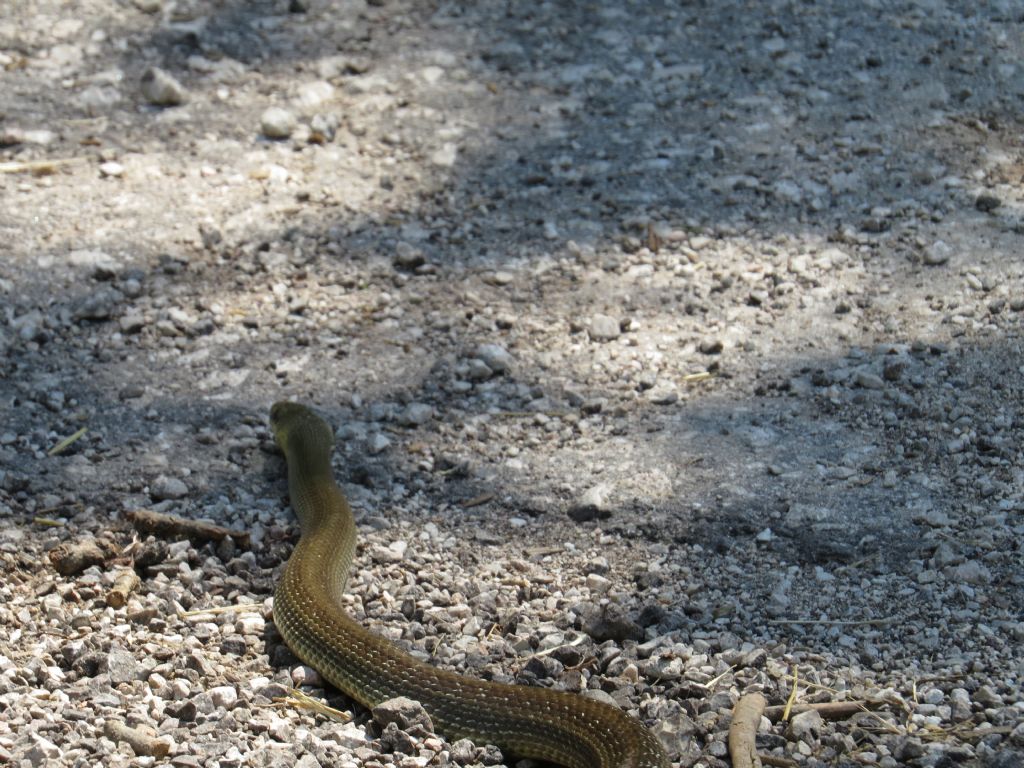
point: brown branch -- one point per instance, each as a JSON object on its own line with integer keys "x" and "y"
{"x": 830, "y": 710}
{"x": 746, "y": 716}
{"x": 173, "y": 527}
{"x": 126, "y": 583}
{"x": 142, "y": 743}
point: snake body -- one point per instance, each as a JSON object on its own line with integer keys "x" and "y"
{"x": 538, "y": 723}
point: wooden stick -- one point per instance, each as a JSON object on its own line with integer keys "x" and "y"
{"x": 476, "y": 501}
{"x": 297, "y": 698}
{"x": 172, "y": 526}
{"x": 830, "y": 710}
{"x": 142, "y": 743}
{"x": 836, "y": 622}
{"x": 746, "y": 716}
{"x": 126, "y": 583}
{"x": 778, "y": 762}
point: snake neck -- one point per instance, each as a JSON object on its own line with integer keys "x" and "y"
{"x": 318, "y": 502}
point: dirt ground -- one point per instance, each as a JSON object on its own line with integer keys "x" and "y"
{"x": 682, "y": 338}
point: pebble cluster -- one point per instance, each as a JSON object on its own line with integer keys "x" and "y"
{"x": 673, "y": 349}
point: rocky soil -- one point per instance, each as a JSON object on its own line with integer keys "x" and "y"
{"x": 674, "y": 350}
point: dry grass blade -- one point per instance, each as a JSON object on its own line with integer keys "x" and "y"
{"x": 37, "y": 167}
{"x": 570, "y": 644}
{"x": 792, "y": 694}
{"x": 477, "y": 501}
{"x": 297, "y": 698}
{"x": 66, "y": 442}
{"x": 886, "y": 725}
{"x": 218, "y": 609}
{"x": 837, "y": 622}
{"x": 715, "y": 680}
{"x": 692, "y": 378}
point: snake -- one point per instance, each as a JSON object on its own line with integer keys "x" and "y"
{"x": 525, "y": 721}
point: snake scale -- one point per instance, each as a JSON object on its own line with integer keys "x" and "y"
{"x": 538, "y": 723}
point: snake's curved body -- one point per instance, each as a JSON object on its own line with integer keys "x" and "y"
{"x": 528, "y": 722}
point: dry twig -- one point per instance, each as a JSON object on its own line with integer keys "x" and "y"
{"x": 171, "y": 526}
{"x": 830, "y": 710}
{"x": 142, "y": 743}
{"x": 837, "y": 622}
{"x": 297, "y": 698}
{"x": 125, "y": 583}
{"x": 746, "y": 716}
{"x": 66, "y": 442}
{"x": 37, "y": 167}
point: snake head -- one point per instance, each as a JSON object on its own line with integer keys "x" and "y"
{"x": 296, "y": 422}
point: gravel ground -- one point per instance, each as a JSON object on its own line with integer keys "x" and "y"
{"x": 674, "y": 350}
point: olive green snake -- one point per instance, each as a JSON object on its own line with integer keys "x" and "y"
{"x": 538, "y": 723}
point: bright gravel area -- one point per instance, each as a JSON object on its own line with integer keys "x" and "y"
{"x": 674, "y": 351}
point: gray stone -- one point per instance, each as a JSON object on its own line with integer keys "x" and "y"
{"x": 165, "y": 488}
{"x": 479, "y": 370}
{"x": 42, "y": 751}
{"x": 592, "y": 504}
{"x": 664, "y": 668}
{"x": 377, "y": 443}
{"x": 806, "y": 726}
{"x": 132, "y": 323}
{"x": 972, "y": 572}
{"x": 446, "y": 156}
{"x": 495, "y": 357}
{"x": 908, "y": 748}
{"x": 100, "y": 265}
{"x": 313, "y": 94}
{"x": 960, "y": 704}
{"x": 251, "y": 624}
{"x": 416, "y": 414}
{"x": 408, "y": 256}
{"x": 223, "y": 696}
{"x": 111, "y": 169}
{"x": 604, "y": 328}
{"x": 1017, "y": 735}
{"x": 161, "y": 88}
{"x": 674, "y": 732}
{"x": 937, "y": 253}
{"x": 121, "y": 666}
{"x": 97, "y": 306}
{"x": 711, "y": 346}
{"x": 403, "y": 712}
{"x": 988, "y": 698}
{"x": 868, "y": 380}
{"x": 29, "y": 326}
{"x": 463, "y": 752}
{"x": 277, "y": 123}
{"x": 611, "y": 622}
{"x": 323, "y": 128}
